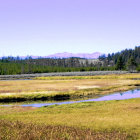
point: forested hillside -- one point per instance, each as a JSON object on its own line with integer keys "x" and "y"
{"x": 125, "y": 60}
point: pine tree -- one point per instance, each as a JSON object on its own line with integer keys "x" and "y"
{"x": 120, "y": 63}
{"x": 131, "y": 65}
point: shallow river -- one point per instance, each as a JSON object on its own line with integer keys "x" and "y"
{"x": 117, "y": 96}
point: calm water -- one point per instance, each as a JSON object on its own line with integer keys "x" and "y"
{"x": 117, "y": 96}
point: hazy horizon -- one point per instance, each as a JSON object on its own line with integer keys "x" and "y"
{"x": 41, "y": 28}
{"x": 30, "y": 55}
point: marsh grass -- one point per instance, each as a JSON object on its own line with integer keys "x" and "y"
{"x": 65, "y": 88}
{"x": 110, "y": 76}
{"x": 59, "y": 96}
{"x": 92, "y": 120}
{"x": 62, "y": 95}
{"x": 21, "y": 131}
{"x": 108, "y": 120}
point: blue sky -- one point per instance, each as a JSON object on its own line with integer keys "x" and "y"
{"x": 44, "y": 27}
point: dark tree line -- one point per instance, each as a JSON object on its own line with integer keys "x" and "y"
{"x": 128, "y": 59}
{"x": 15, "y": 65}
{"x": 8, "y": 68}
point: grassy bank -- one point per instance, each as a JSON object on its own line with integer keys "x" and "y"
{"x": 111, "y": 76}
{"x": 64, "y": 88}
{"x": 59, "y": 96}
{"x": 92, "y": 120}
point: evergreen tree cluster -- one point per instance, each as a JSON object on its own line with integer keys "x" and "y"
{"x": 127, "y": 59}
{"x": 15, "y": 65}
{"x": 11, "y": 68}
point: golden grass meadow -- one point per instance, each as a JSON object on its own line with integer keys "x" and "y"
{"x": 70, "y": 87}
{"x": 104, "y": 120}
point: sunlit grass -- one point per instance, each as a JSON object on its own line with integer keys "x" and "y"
{"x": 111, "y": 76}
{"x": 116, "y": 120}
{"x": 51, "y": 88}
{"x": 107, "y": 116}
{"x": 77, "y": 94}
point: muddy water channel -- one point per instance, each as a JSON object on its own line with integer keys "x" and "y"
{"x": 116, "y": 96}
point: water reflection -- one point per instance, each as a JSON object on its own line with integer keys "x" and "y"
{"x": 117, "y": 96}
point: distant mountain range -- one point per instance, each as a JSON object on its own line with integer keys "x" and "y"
{"x": 94, "y": 55}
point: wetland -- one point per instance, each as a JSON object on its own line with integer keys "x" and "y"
{"x": 96, "y": 107}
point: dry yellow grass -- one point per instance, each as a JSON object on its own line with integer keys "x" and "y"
{"x": 64, "y": 85}
{"x": 67, "y": 87}
{"x": 10, "y": 131}
{"x": 109, "y": 116}
{"x": 110, "y": 76}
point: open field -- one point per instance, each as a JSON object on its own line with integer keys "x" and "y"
{"x": 67, "y": 87}
{"x": 106, "y": 120}
{"x": 113, "y": 120}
